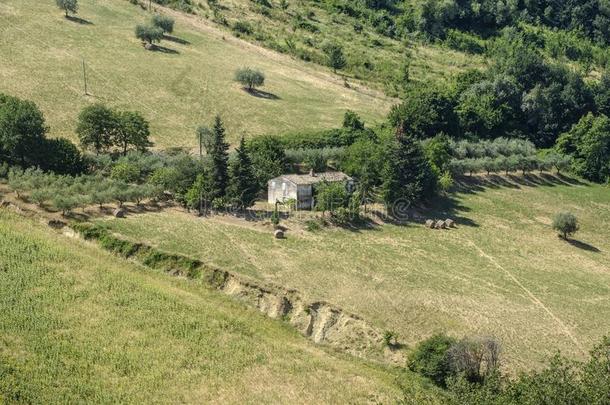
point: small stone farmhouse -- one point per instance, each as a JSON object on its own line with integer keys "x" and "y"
{"x": 299, "y": 187}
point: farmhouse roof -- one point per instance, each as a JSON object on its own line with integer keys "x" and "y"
{"x": 306, "y": 179}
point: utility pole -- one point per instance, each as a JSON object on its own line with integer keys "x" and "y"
{"x": 85, "y": 78}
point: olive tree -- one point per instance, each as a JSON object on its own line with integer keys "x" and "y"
{"x": 566, "y": 224}
{"x": 250, "y": 78}
{"x": 69, "y": 6}
{"x": 149, "y": 34}
{"x": 163, "y": 22}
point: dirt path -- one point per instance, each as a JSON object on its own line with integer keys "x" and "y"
{"x": 531, "y": 296}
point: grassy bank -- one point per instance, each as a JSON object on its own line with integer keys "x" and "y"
{"x": 81, "y": 325}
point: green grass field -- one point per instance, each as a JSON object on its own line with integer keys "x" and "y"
{"x": 79, "y": 325}
{"x": 503, "y": 272}
{"x": 41, "y": 60}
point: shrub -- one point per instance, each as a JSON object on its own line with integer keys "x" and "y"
{"x": 474, "y": 358}
{"x": 566, "y": 224}
{"x": 275, "y": 217}
{"x": 312, "y": 225}
{"x": 390, "y": 339}
{"x": 336, "y": 58}
{"x": 243, "y": 27}
{"x": 431, "y": 358}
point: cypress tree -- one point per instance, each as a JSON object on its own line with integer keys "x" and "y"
{"x": 406, "y": 175}
{"x": 243, "y": 186}
{"x": 219, "y": 154}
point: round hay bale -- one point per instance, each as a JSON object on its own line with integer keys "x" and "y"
{"x": 430, "y": 224}
{"x": 278, "y": 234}
{"x": 450, "y": 223}
{"x": 119, "y": 213}
{"x": 440, "y": 224}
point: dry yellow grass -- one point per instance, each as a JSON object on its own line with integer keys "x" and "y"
{"x": 41, "y": 57}
{"x": 502, "y": 272}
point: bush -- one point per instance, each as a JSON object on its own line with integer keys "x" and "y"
{"x": 474, "y": 358}
{"x": 312, "y": 225}
{"x": 390, "y": 339}
{"x": 566, "y": 224}
{"x": 243, "y": 27}
{"x": 431, "y": 358}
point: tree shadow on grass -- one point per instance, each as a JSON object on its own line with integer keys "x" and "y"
{"x": 583, "y": 245}
{"x": 78, "y": 20}
{"x": 478, "y": 183}
{"x": 448, "y": 207}
{"x": 176, "y": 40}
{"x": 262, "y": 94}
{"x": 162, "y": 49}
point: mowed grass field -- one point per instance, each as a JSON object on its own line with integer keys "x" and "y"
{"x": 503, "y": 272}
{"x": 41, "y": 55}
{"x": 79, "y": 325}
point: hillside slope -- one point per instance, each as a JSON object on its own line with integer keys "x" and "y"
{"x": 503, "y": 272}
{"x": 185, "y": 85}
{"x": 79, "y": 325}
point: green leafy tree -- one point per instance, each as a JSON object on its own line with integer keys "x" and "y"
{"x": 242, "y": 188}
{"x": 131, "y": 130}
{"x": 566, "y": 224}
{"x": 336, "y": 58}
{"x": 64, "y": 203}
{"x": 425, "y": 112}
{"x": 205, "y": 139}
{"x": 352, "y": 121}
{"x": 96, "y": 127}
{"x": 149, "y": 34}
{"x": 250, "y": 78}
{"x": 201, "y": 194}
{"x": 438, "y": 153}
{"x": 330, "y": 197}
{"x": 68, "y": 6}
{"x": 588, "y": 142}
{"x": 363, "y": 160}
{"x": 22, "y": 131}
{"x": 268, "y": 159}
{"x": 407, "y": 175}
{"x": 163, "y": 22}
{"x": 219, "y": 155}
{"x": 63, "y": 157}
